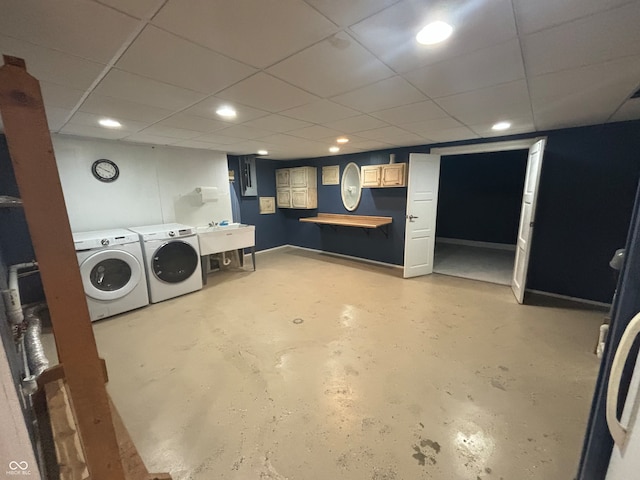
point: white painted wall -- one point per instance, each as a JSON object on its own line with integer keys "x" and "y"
{"x": 156, "y": 184}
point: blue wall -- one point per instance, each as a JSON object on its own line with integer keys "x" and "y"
{"x": 584, "y": 206}
{"x": 480, "y": 196}
{"x": 587, "y": 189}
{"x": 270, "y": 228}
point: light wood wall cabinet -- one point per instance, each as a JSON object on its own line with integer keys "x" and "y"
{"x": 388, "y": 175}
{"x": 297, "y": 187}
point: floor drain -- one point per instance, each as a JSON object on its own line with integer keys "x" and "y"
{"x": 298, "y": 321}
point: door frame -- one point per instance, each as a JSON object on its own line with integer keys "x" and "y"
{"x": 487, "y": 147}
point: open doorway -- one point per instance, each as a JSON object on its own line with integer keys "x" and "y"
{"x": 479, "y": 206}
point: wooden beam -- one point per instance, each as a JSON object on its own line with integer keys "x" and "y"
{"x": 31, "y": 151}
{"x": 69, "y": 452}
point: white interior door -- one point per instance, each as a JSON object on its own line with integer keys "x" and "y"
{"x": 527, "y": 214}
{"x": 625, "y": 459}
{"x": 422, "y": 207}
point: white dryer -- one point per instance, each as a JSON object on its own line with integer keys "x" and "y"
{"x": 172, "y": 260}
{"x": 112, "y": 270}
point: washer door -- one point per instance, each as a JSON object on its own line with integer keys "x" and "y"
{"x": 110, "y": 274}
{"x": 174, "y": 262}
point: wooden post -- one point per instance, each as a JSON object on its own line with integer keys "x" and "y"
{"x": 31, "y": 152}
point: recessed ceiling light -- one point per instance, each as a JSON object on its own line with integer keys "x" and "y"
{"x": 501, "y": 126}
{"x": 342, "y": 140}
{"x": 334, "y": 149}
{"x": 109, "y": 123}
{"x": 226, "y": 111}
{"x": 263, "y": 152}
{"x": 433, "y": 33}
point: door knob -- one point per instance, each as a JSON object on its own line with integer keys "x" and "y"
{"x": 411, "y": 217}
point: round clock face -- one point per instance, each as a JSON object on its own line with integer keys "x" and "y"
{"x": 105, "y": 170}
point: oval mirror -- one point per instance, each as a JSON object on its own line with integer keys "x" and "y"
{"x": 350, "y": 187}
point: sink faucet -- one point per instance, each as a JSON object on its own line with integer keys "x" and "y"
{"x": 213, "y": 224}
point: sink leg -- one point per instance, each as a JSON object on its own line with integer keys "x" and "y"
{"x": 204, "y": 265}
{"x": 253, "y": 257}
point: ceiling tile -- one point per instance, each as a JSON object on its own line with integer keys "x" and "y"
{"x": 365, "y": 144}
{"x": 391, "y": 33}
{"x": 200, "y": 145}
{"x": 148, "y": 138}
{"x": 315, "y": 132}
{"x": 598, "y": 38}
{"x": 390, "y": 135}
{"x": 136, "y": 8}
{"x": 490, "y": 66}
{"x": 416, "y": 112}
{"x": 285, "y": 140}
{"x": 91, "y": 120}
{"x": 94, "y": 132}
{"x": 56, "y": 117}
{"x": 583, "y": 96}
{"x": 81, "y": 28}
{"x": 162, "y": 56}
{"x": 320, "y": 112}
{"x": 426, "y": 127}
{"x": 392, "y": 92}
{"x": 356, "y": 124}
{"x": 52, "y": 66}
{"x": 244, "y": 132}
{"x": 277, "y": 123}
{"x": 218, "y": 138}
{"x": 207, "y": 109}
{"x": 191, "y": 122}
{"x": 327, "y": 68}
{"x": 540, "y": 14}
{"x": 522, "y": 124}
{"x": 630, "y": 110}
{"x": 122, "y": 109}
{"x": 247, "y": 147}
{"x": 60, "y": 96}
{"x": 453, "y": 134}
{"x": 170, "y": 132}
{"x": 271, "y": 29}
{"x": 347, "y": 13}
{"x": 134, "y": 88}
{"x": 489, "y": 104}
{"x": 266, "y": 92}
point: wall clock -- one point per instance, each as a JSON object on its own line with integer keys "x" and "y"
{"x": 105, "y": 170}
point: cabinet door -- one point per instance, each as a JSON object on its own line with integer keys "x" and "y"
{"x": 283, "y": 198}
{"x": 299, "y": 177}
{"x": 299, "y": 198}
{"x": 370, "y": 176}
{"x": 282, "y": 177}
{"x": 393, "y": 175}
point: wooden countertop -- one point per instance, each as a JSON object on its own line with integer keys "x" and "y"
{"x": 363, "y": 221}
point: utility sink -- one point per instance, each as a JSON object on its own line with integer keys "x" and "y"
{"x": 211, "y": 228}
{"x": 224, "y": 238}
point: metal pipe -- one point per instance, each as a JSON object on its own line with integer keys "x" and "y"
{"x": 11, "y": 296}
{"x": 37, "y": 360}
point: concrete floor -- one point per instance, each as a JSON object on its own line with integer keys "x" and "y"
{"x": 316, "y": 367}
{"x": 475, "y": 263}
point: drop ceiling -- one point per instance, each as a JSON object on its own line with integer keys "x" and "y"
{"x": 301, "y": 73}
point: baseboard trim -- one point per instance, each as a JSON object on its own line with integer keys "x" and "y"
{"x": 348, "y": 257}
{"x": 475, "y": 243}
{"x": 573, "y": 299}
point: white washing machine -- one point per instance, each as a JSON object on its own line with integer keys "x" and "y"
{"x": 112, "y": 269}
{"x": 172, "y": 260}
